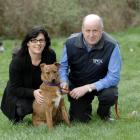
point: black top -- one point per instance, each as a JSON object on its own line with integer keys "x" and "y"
{"x": 36, "y": 77}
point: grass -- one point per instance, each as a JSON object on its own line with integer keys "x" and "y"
{"x": 126, "y": 128}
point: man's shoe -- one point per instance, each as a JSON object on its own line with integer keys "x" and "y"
{"x": 110, "y": 119}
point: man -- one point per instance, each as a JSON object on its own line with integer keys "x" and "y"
{"x": 90, "y": 66}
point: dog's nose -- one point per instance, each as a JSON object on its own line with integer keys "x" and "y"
{"x": 53, "y": 80}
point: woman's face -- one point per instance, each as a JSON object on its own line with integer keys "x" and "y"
{"x": 36, "y": 45}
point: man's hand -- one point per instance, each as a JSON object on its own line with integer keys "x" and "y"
{"x": 39, "y": 98}
{"x": 78, "y": 92}
{"x": 64, "y": 87}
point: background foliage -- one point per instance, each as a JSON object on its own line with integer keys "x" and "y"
{"x": 62, "y": 17}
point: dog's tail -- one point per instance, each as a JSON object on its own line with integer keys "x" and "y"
{"x": 117, "y": 110}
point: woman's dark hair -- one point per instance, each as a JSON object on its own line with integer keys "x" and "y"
{"x": 33, "y": 33}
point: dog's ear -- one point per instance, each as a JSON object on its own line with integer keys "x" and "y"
{"x": 57, "y": 64}
{"x": 42, "y": 65}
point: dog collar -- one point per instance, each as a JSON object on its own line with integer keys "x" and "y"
{"x": 51, "y": 84}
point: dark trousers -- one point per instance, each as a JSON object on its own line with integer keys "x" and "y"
{"x": 81, "y": 109}
{"x": 23, "y": 108}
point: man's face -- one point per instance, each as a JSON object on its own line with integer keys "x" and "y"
{"x": 92, "y": 32}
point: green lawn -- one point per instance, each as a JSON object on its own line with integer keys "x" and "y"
{"x": 126, "y": 128}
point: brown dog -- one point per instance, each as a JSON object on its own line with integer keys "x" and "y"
{"x": 53, "y": 110}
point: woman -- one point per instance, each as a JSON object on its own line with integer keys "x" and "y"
{"x": 24, "y": 74}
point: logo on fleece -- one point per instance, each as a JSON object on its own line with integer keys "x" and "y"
{"x": 97, "y": 61}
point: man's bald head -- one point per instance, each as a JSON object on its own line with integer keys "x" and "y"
{"x": 92, "y": 29}
{"x": 93, "y": 19}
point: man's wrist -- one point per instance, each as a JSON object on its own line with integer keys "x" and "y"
{"x": 91, "y": 87}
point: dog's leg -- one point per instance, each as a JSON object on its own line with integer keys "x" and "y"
{"x": 36, "y": 120}
{"x": 49, "y": 117}
{"x": 64, "y": 112}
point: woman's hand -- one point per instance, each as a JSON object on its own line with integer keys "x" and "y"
{"x": 39, "y": 98}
